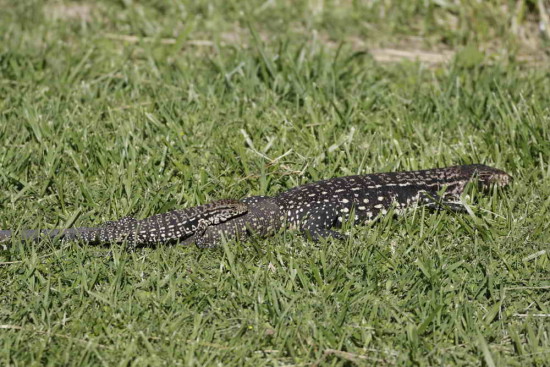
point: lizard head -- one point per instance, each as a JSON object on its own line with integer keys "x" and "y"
{"x": 484, "y": 176}
{"x": 488, "y": 176}
{"x": 225, "y": 209}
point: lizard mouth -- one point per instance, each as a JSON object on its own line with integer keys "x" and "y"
{"x": 500, "y": 179}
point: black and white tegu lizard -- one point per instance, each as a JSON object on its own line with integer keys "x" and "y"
{"x": 160, "y": 228}
{"x": 314, "y": 209}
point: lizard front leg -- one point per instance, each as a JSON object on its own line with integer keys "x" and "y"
{"x": 317, "y": 223}
{"x": 439, "y": 202}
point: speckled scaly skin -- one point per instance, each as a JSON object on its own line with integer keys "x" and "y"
{"x": 263, "y": 218}
{"x": 165, "y": 227}
{"x": 313, "y": 209}
{"x": 316, "y": 208}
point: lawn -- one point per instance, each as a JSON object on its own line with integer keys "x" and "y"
{"x": 116, "y": 108}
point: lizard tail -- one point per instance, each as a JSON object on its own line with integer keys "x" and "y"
{"x": 34, "y": 235}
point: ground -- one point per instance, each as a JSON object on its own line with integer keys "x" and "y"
{"x": 115, "y": 108}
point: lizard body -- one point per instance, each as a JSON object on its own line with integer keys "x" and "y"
{"x": 165, "y": 227}
{"x": 315, "y": 208}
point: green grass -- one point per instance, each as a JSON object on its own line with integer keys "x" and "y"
{"x": 110, "y": 109}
